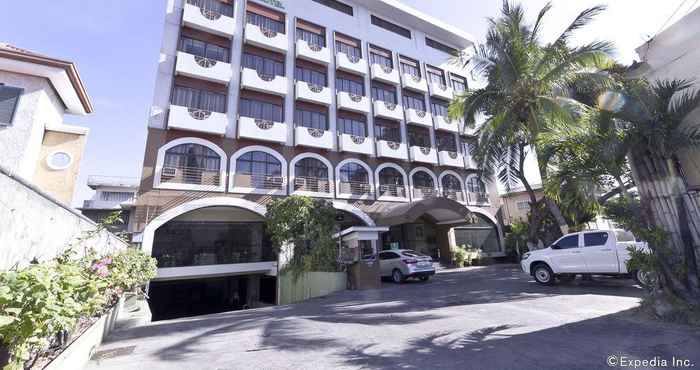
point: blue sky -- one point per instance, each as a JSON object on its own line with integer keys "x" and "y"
{"x": 116, "y": 43}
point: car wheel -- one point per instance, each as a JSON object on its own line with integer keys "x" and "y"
{"x": 567, "y": 278}
{"x": 543, "y": 274}
{"x": 644, "y": 278}
{"x": 424, "y": 278}
{"x": 397, "y": 276}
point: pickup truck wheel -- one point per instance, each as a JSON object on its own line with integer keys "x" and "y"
{"x": 644, "y": 278}
{"x": 566, "y": 278}
{"x": 543, "y": 274}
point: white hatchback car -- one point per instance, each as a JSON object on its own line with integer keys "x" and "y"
{"x": 401, "y": 264}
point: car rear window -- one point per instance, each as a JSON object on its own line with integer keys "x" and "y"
{"x": 624, "y": 236}
{"x": 413, "y": 254}
{"x": 595, "y": 239}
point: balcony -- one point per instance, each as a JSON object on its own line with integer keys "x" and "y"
{"x": 453, "y": 194}
{"x": 313, "y": 137}
{"x": 392, "y": 149}
{"x": 388, "y": 110}
{"x": 349, "y": 64}
{"x": 397, "y": 192}
{"x": 185, "y": 177}
{"x": 450, "y": 159}
{"x": 192, "y": 119}
{"x": 353, "y": 103}
{"x": 354, "y": 189}
{"x": 385, "y": 74}
{"x": 424, "y": 193}
{"x": 252, "y": 80}
{"x": 355, "y": 144}
{"x": 478, "y": 199}
{"x": 208, "y": 20}
{"x": 415, "y": 83}
{"x": 203, "y": 68}
{"x": 441, "y": 91}
{"x": 257, "y": 129}
{"x": 107, "y": 204}
{"x": 266, "y": 38}
{"x": 258, "y": 184}
{"x": 313, "y": 53}
{"x": 423, "y": 155}
{"x": 311, "y": 93}
{"x": 313, "y": 185}
{"x": 446, "y": 124}
{"x": 418, "y": 117}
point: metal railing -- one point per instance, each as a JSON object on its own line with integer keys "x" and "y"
{"x": 258, "y": 181}
{"x": 424, "y": 193}
{"x": 355, "y": 188}
{"x": 478, "y": 198}
{"x": 190, "y": 175}
{"x": 398, "y": 191}
{"x": 455, "y": 195}
{"x": 112, "y": 181}
{"x": 312, "y": 184}
{"x": 214, "y": 6}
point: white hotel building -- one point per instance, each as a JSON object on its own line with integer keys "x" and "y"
{"x": 345, "y": 100}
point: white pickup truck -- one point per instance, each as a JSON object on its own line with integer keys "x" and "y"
{"x": 599, "y": 252}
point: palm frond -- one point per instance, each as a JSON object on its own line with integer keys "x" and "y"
{"x": 583, "y": 19}
{"x": 538, "y": 23}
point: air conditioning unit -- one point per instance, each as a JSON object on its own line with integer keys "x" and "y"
{"x": 169, "y": 171}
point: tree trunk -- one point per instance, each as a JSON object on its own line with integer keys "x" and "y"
{"x": 667, "y": 205}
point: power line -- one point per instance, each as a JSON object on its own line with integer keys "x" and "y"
{"x": 651, "y": 39}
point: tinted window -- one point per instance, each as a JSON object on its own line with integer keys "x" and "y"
{"x": 595, "y": 239}
{"x": 568, "y": 242}
{"x": 391, "y": 27}
{"x": 387, "y": 255}
{"x": 9, "y": 99}
{"x": 337, "y": 5}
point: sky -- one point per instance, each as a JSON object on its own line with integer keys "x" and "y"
{"x": 116, "y": 43}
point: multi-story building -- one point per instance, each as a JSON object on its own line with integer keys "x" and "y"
{"x": 36, "y": 145}
{"x": 342, "y": 100}
{"x": 515, "y": 204}
{"x": 112, "y": 195}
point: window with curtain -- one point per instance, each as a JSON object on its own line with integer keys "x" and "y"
{"x": 349, "y": 86}
{"x": 265, "y": 22}
{"x": 475, "y": 185}
{"x": 387, "y": 130}
{"x": 352, "y": 126}
{"x": 439, "y": 108}
{"x": 422, "y": 179}
{"x": 204, "y": 49}
{"x": 436, "y": 76}
{"x": 446, "y": 142}
{"x": 354, "y": 172}
{"x": 354, "y": 52}
{"x": 459, "y": 84}
{"x": 311, "y": 168}
{"x": 413, "y": 101}
{"x": 410, "y": 68}
{"x": 311, "y": 38}
{"x": 451, "y": 184}
{"x": 311, "y": 119}
{"x": 192, "y": 156}
{"x": 261, "y": 110}
{"x": 381, "y": 57}
{"x": 259, "y": 164}
{"x": 385, "y": 94}
{"x": 390, "y": 176}
{"x": 418, "y": 136}
{"x": 199, "y": 99}
{"x": 214, "y": 5}
{"x": 264, "y": 66}
{"x": 310, "y": 76}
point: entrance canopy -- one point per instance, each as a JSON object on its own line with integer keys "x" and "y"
{"x": 437, "y": 210}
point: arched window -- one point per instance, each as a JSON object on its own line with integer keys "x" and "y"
{"x": 258, "y": 170}
{"x": 423, "y": 185}
{"x": 354, "y": 179}
{"x": 452, "y": 188}
{"x": 310, "y": 174}
{"x": 191, "y": 164}
{"x": 391, "y": 183}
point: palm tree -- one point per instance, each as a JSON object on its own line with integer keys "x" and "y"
{"x": 527, "y": 90}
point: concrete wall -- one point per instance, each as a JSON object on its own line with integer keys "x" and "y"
{"x": 310, "y": 285}
{"x": 59, "y": 183}
{"x": 33, "y": 225}
{"x": 510, "y": 210}
{"x": 39, "y": 106}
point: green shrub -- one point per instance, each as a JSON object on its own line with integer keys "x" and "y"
{"x": 464, "y": 255}
{"x": 460, "y": 255}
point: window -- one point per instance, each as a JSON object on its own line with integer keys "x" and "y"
{"x": 354, "y": 172}
{"x": 352, "y": 126}
{"x": 348, "y": 47}
{"x": 384, "y": 93}
{"x": 568, "y": 242}
{"x": 214, "y": 5}
{"x": 446, "y": 141}
{"x": 349, "y": 86}
{"x": 387, "y": 130}
{"x": 440, "y": 46}
{"x": 410, "y": 67}
{"x": 414, "y": 101}
{"x": 203, "y": 49}
{"x": 380, "y": 56}
{"x": 390, "y": 176}
{"x": 475, "y": 185}
{"x": 192, "y": 160}
{"x": 312, "y": 34}
{"x": 523, "y": 206}
{"x": 459, "y": 84}
{"x": 264, "y": 66}
{"x": 419, "y": 136}
{"x": 261, "y": 110}
{"x": 311, "y": 119}
{"x": 595, "y": 239}
{"x": 436, "y": 76}
{"x": 266, "y": 23}
{"x": 9, "y": 100}
{"x": 310, "y": 76}
{"x": 311, "y": 168}
{"x": 367, "y": 249}
{"x": 337, "y": 5}
{"x": 388, "y": 256}
{"x": 258, "y": 163}
{"x": 451, "y": 184}
{"x": 116, "y": 196}
{"x": 391, "y": 27}
{"x": 439, "y": 108}
{"x": 59, "y": 160}
{"x": 199, "y": 99}
{"x": 422, "y": 179}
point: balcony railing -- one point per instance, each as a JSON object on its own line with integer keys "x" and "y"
{"x": 478, "y": 198}
{"x": 397, "y": 191}
{"x": 355, "y": 188}
{"x": 312, "y": 184}
{"x": 213, "y": 9}
{"x": 190, "y": 175}
{"x": 455, "y": 195}
{"x": 260, "y": 182}
{"x": 420, "y": 192}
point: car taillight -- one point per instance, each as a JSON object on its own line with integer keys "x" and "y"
{"x": 410, "y": 261}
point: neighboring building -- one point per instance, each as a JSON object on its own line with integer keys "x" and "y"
{"x": 515, "y": 205}
{"x": 341, "y": 100}
{"x": 674, "y": 54}
{"x": 112, "y": 194}
{"x": 35, "y": 92}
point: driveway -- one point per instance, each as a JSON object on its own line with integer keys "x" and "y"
{"x": 477, "y": 318}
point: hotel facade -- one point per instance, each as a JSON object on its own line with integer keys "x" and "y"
{"x": 345, "y": 101}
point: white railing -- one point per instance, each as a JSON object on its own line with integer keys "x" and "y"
{"x": 420, "y": 192}
{"x": 355, "y": 188}
{"x": 312, "y": 184}
{"x": 190, "y": 175}
{"x": 478, "y": 198}
{"x": 258, "y": 181}
{"x": 397, "y": 191}
{"x": 455, "y": 195}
